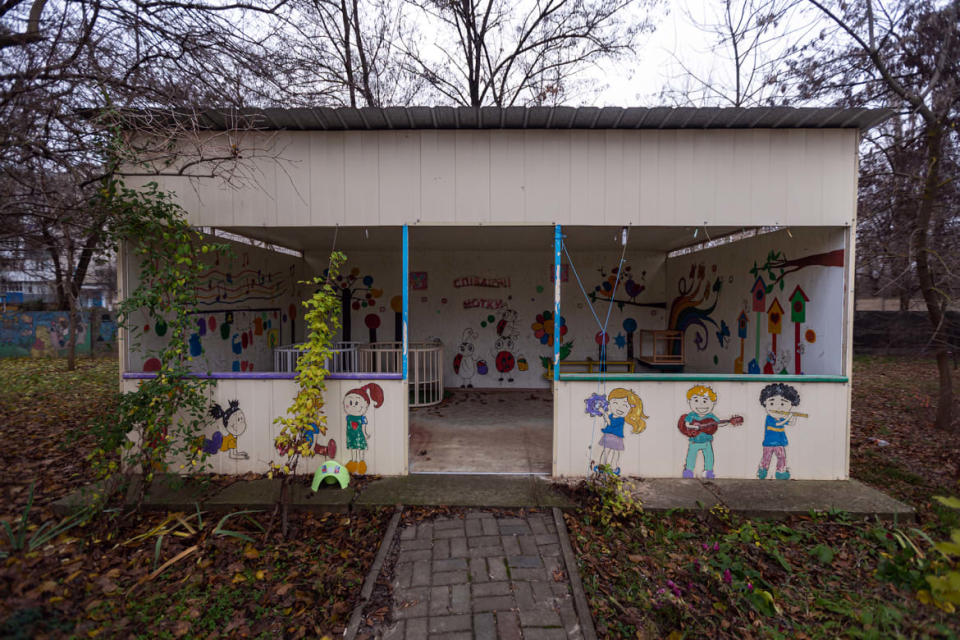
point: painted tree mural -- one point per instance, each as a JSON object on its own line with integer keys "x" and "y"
{"x": 356, "y": 292}
{"x": 777, "y": 266}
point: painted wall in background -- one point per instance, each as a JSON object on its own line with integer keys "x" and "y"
{"x": 493, "y": 310}
{"x": 249, "y": 303}
{"x": 46, "y": 333}
{"x": 773, "y": 303}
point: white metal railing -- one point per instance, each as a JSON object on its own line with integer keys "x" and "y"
{"x": 424, "y": 370}
{"x": 343, "y": 358}
{"x": 424, "y": 367}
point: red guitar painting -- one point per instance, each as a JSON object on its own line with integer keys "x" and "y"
{"x": 706, "y": 425}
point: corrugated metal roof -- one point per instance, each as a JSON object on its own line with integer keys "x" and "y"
{"x": 371, "y": 119}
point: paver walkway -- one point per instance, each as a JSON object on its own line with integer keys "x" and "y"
{"x": 479, "y": 575}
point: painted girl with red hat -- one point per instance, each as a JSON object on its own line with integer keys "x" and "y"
{"x": 355, "y": 405}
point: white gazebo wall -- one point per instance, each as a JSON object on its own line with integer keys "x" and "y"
{"x": 264, "y": 400}
{"x": 571, "y": 177}
{"x": 817, "y": 449}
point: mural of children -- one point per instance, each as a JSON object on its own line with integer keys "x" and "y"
{"x": 623, "y": 405}
{"x": 356, "y": 402}
{"x": 779, "y": 401}
{"x": 235, "y": 425}
{"x": 700, "y": 424}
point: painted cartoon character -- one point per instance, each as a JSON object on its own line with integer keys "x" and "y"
{"x": 699, "y": 425}
{"x": 356, "y": 402}
{"x": 464, "y": 363}
{"x": 623, "y": 405}
{"x": 779, "y": 401}
{"x": 507, "y": 325}
{"x": 234, "y": 424}
{"x": 504, "y": 360}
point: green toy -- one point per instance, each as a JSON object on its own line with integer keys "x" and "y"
{"x": 329, "y": 472}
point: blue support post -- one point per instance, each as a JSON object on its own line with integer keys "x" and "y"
{"x": 406, "y": 296}
{"x": 557, "y": 249}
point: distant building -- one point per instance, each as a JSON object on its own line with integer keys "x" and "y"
{"x": 27, "y": 279}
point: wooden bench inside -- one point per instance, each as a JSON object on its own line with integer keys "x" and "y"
{"x": 591, "y": 366}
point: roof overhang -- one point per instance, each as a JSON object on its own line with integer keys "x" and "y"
{"x": 473, "y": 118}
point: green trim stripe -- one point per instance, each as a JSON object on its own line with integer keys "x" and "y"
{"x": 694, "y": 377}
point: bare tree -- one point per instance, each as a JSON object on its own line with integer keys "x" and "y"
{"x": 906, "y": 55}
{"x": 61, "y": 62}
{"x": 496, "y": 52}
{"x": 750, "y": 43}
{"x": 345, "y": 52}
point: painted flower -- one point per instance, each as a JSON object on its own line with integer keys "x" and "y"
{"x": 596, "y": 405}
{"x": 543, "y": 328}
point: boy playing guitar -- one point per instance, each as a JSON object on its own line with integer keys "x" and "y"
{"x": 699, "y": 425}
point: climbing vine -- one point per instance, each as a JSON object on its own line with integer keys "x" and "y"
{"x": 305, "y": 420}
{"x": 163, "y": 418}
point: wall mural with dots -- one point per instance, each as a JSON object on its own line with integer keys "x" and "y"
{"x": 493, "y": 310}
{"x": 771, "y": 304}
{"x": 248, "y": 304}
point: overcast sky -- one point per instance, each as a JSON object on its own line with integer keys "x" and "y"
{"x": 678, "y": 38}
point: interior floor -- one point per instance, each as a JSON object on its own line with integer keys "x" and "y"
{"x": 484, "y": 431}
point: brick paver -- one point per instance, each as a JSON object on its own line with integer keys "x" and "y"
{"x": 480, "y": 575}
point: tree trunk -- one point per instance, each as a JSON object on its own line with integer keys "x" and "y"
{"x": 928, "y": 287}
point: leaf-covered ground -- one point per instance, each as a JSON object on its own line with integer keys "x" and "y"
{"x": 680, "y": 575}
{"x": 716, "y": 575}
{"x": 41, "y": 406}
{"x": 154, "y": 575}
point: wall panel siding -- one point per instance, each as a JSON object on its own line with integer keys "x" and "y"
{"x": 507, "y": 181}
{"x": 327, "y": 179}
{"x": 816, "y": 449}
{"x": 362, "y": 185}
{"x": 294, "y": 184}
{"x": 471, "y": 175}
{"x": 262, "y": 401}
{"x": 437, "y": 176}
{"x": 671, "y": 177}
{"x": 399, "y": 173}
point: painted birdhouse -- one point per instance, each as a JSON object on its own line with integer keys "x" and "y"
{"x": 759, "y": 292}
{"x": 742, "y": 325}
{"x": 798, "y": 305}
{"x": 775, "y": 317}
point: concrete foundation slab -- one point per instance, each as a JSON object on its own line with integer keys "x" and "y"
{"x": 250, "y": 494}
{"x": 773, "y": 498}
{"x": 751, "y": 498}
{"x": 484, "y": 431}
{"x": 663, "y": 494}
{"x": 328, "y": 498}
{"x": 461, "y": 490}
{"x": 172, "y": 493}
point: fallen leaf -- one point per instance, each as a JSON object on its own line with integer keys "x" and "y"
{"x": 107, "y": 585}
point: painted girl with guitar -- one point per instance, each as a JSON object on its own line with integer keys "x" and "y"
{"x": 779, "y": 401}
{"x": 699, "y": 425}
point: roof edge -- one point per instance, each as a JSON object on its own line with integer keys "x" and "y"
{"x": 504, "y": 118}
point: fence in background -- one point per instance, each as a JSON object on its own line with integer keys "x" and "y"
{"x": 47, "y": 333}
